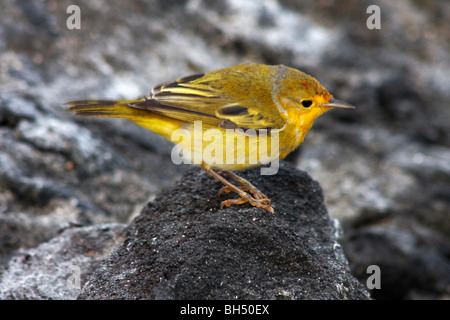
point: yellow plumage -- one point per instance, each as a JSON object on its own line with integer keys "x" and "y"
{"x": 238, "y": 112}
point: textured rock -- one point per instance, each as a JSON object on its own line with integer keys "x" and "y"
{"x": 413, "y": 260}
{"x": 183, "y": 247}
{"x": 44, "y": 272}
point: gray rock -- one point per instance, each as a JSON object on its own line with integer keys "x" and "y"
{"x": 57, "y": 269}
{"x": 183, "y": 247}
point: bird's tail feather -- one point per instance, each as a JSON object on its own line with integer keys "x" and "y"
{"x": 102, "y": 108}
{"x": 152, "y": 121}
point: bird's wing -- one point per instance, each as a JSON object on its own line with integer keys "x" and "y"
{"x": 200, "y": 98}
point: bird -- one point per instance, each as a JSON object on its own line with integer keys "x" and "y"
{"x": 231, "y": 119}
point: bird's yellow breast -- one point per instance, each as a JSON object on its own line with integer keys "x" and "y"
{"x": 226, "y": 149}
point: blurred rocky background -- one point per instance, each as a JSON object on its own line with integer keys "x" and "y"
{"x": 384, "y": 168}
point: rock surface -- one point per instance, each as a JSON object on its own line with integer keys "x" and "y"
{"x": 384, "y": 167}
{"x": 183, "y": 247}
{"x": 57, "y": 269}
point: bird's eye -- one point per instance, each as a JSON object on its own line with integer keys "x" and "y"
{"x": 306, "y": 103}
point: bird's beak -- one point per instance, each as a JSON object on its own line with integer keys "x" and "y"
{"x": 334, "y": 103}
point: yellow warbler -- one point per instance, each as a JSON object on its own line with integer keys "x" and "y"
{"x": 229, "y": 119}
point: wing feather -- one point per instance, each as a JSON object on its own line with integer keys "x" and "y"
{"x": 201, "y": 98}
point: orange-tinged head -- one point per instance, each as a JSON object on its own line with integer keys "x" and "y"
{"x": 304, "y": 98}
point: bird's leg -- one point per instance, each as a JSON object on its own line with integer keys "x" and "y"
{"x": 247, "y": 186}
{"x": 260, "y": 202}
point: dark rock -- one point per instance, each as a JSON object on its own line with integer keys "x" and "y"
{"x": 183, "y": 247}
{"x": 413, "y": 265}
